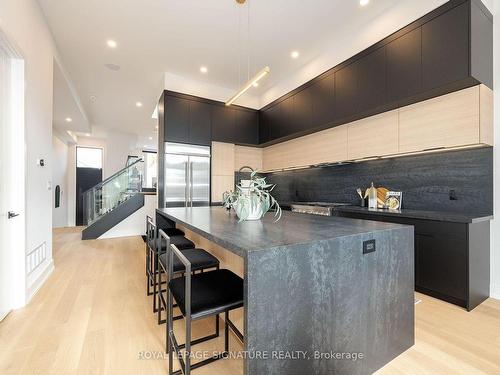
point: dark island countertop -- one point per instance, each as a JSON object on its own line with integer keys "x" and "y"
{"x": 453, "y": 217}
{"x": 222, "y": 227}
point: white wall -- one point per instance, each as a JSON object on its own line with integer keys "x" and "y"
{"x": 59, "y": 177}
{"x": 25, "y": 26}
{"x": 495, "y": 224}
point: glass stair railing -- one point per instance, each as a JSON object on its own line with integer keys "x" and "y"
{"x": 112, "y": 192}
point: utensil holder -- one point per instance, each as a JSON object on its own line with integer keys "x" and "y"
{"x": 362, "y": 202}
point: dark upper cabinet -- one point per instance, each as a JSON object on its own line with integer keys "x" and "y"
{"x": 445, "y": 48}
{"x": 223, "y": 123}
{"x": 247, "y": 127}
{"x": 302, "y": 109}
{"x": 199, "y": 123}
{"x": 264, "y": 127}
{"x": 346, "y": 91}
{"x": 275, "y": 121}
{"x": 187, "y": 121}
{"x": 404, "y": 65}
{"x": 289, "y": 120}
{"x": 176, "y": 118}
{"x": 322, "y": 101}
{"x": 371, "y": 90}
{"x": 235, "y": 125}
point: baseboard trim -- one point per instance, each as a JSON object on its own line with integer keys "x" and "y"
{"x": 495, "y": 291}
{"x": 38, "y": 283}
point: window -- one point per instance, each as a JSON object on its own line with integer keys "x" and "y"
{"x": 150, "y": 170}
{"x": 88, "y": 157}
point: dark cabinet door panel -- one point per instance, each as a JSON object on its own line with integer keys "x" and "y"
{"x": 289, "y": 120}
{"x": 346, "y": 91}
{"x": 223, "y": 123}
{"x": 445, "y": 48}
{"x": 264, "y": 126}
{"x": 199, "y": 123}
{"x": 247, "y": 127}
{"x": 275, "y": 118}
{"x": 371, "y": 77}
{"x": 441, "y": 265}
{"x": 302, "y": 110}
{"x": 322, "y": 93}
{"x": 404, "y": 66}
{"x": 176, "y": 119}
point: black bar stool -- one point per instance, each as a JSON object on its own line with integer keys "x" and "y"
{"x": 150, "y": 235}
{"x": 200, "y": 259}
{"x": 199, "y": 296}
{"x": 151, "y": 245}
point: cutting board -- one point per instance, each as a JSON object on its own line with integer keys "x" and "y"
{"x": 381, "y": 194}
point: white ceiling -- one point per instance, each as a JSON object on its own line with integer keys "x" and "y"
{"x": 178, "y": 36}
{"x": 65, "y": 106}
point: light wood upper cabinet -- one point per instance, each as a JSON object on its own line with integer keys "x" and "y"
{"x": 462, "y": 118}
{"x": 373, "y": 136}
{"x": 221, "y": 184}
{"x": 447, "y": 121}
{"x": 327, "y": 146}
{"x": 222, "y": 159}
{"x": 485, "y": 115}
{"x": 248, "y": 156}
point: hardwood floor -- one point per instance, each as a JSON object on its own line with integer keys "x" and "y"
{"x": 93, "y": 317}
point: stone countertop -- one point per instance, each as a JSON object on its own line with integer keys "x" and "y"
{"x": 222, "y": 227}
{"x": 454, "y": 217}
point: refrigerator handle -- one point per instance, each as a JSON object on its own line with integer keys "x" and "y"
{"x": 186, "y": 186}
{"x": 191, "y": 183}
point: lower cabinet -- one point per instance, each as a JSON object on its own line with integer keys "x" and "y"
{"x": 452, "y": 260}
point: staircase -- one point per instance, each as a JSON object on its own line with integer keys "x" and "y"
{"x": 113, "y": 200}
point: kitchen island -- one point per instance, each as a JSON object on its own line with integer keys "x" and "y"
{"x": 323, "y": 295}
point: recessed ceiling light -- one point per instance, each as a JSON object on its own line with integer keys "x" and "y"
{"x": 138, "y": 104}
{"x": 255, "y": 84}
{"x": 111, "y": 43}
{"x": 204, "y": 69}
{"x": 364, "y": 2}
{"x": 87, "y": 135}
{"x": 294, "y": 54}
{"x": 69, "y": 119}
{"x": 150, "y": 138}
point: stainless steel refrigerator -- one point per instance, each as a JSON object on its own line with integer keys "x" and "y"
{"x": 187, "y": 175}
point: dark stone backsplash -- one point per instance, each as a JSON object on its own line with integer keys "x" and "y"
{"x": 425, "y": 180}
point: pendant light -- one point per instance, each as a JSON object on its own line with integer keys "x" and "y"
{"x": 252, "y": 82}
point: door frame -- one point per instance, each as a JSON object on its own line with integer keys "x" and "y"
{"x": 16, "y": 258}
{"x": 77, "y": 146}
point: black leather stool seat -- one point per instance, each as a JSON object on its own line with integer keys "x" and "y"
{"x": 181, "y": 242}
{"x": 173, "y": 232}
{"x": 211, "y": 292}
{"x": 199, "y": 258}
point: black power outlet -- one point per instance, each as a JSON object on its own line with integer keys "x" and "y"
{"x": 368, "y": 246}
{"x": 453, "y": 195}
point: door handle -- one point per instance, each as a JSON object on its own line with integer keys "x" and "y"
{"x": 12, "y": 214}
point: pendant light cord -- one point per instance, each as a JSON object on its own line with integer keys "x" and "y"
{"x": 248, "y": 40}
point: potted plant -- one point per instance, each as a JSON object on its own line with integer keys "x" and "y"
{"x": 252, "y": 199}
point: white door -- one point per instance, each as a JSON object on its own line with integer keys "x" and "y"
{"x": 12, "y": 252}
